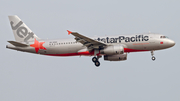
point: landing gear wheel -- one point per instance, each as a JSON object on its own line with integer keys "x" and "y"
{"x": 97, "y": 63}
{"x": 153, "y": 58}
{"x": 94, "y": 59}
{"x": 152, "y": 53}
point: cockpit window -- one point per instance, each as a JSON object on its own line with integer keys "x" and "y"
{"x": 163, "y": 37}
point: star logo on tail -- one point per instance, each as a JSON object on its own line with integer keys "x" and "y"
{"x": 38, "y": 45}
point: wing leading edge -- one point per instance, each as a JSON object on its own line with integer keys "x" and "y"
{"x": 86, "y": 41}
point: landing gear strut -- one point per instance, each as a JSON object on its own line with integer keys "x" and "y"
{"x": 152, "y": 54}
{"x": 96, "y": 61}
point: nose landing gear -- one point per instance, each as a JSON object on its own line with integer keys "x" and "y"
{"x": 96, "y": 61}
{"x": 152, "y": 54}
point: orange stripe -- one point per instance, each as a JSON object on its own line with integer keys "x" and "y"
{"x": 133, "y": 50}
{"x": 87, "y": 53}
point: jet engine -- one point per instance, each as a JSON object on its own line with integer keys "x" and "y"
{"x": 112, "y": 50}
{"x": 118, "y": 57}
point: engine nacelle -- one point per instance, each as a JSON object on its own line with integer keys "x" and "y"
{"x": 112, "y": 50}
{"x": 118, "y": 57}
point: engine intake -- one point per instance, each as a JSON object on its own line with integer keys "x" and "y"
{"x": 112, "y": 50}
{"x": 119, "y": 57}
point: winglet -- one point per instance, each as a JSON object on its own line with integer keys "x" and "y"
{"x": 69, "y": 32}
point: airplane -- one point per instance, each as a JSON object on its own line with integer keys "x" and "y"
{"x": 113, "y": 48}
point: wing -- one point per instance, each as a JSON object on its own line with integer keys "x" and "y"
{"x": 86, "y": 41}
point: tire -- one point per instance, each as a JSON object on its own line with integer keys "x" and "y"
{"x": 97, "y": 63}
{"x": 153, "y": 58}
{"x": 94, "y": 59}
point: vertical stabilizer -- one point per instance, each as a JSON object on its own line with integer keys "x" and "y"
{"x": 21, "y": 32}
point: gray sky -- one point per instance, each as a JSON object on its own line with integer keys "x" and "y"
{"x": 31, "y": 77}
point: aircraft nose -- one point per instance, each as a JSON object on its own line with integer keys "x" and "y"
{"x": 171, "y": 42}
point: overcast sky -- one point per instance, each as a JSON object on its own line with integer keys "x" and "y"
{"x": 31, "y": 77}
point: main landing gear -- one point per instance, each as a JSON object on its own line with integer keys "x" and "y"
{"x": 152, "y": 54}
{"x": 96, "y": 61}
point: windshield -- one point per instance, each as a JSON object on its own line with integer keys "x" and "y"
{"x": 163, "y": 37}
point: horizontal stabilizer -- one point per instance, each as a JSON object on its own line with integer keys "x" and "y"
{"x": 18, "y": 44}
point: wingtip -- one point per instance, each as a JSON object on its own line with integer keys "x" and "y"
{"x": 69, "y": 32}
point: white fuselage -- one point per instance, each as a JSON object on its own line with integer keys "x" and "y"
{"x": 131, "y": 43}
